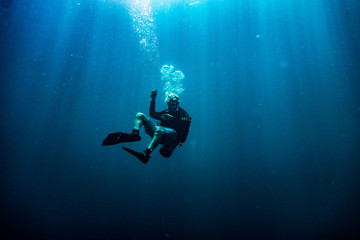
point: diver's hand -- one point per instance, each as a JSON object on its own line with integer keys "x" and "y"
{"x": 166, "y": 116}
{"x": 153, "y": 94}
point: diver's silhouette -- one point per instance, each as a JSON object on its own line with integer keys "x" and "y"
{"x": 172, "y": 129}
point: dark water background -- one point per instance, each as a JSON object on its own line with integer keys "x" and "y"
{"x": 273, "y": 91}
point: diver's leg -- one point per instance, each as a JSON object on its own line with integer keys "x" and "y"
{"x": 141, "y": 119}
{"x": 145, "y": 155}
{"x": 170, "y": 143}
{"x": 155, "y": 141}
{"x": 158, "y": 135}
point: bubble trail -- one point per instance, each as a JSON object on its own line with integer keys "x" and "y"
{"x": 143, "y": 23}
{"x": 172, "y": 80}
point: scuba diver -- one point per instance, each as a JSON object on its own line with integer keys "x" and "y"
{"x": 171, "y": 130}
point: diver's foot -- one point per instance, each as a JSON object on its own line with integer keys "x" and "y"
{"x": 119, "y": 137}
{"x": 142, "y": 156}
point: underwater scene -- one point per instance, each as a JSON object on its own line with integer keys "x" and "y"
{"x": 180, "y": 119}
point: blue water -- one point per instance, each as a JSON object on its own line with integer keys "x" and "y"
{"x": 272, "y": 88}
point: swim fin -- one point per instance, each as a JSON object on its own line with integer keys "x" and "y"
{"x": 139, "y": 155}
{"x": 119, "y": 137}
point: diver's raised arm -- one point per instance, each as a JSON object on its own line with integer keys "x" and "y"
{"x": 152, "y": 111}
{"x": 153, "y": 95}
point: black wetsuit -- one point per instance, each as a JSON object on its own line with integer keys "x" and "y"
{"x": 180, "y": 123}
